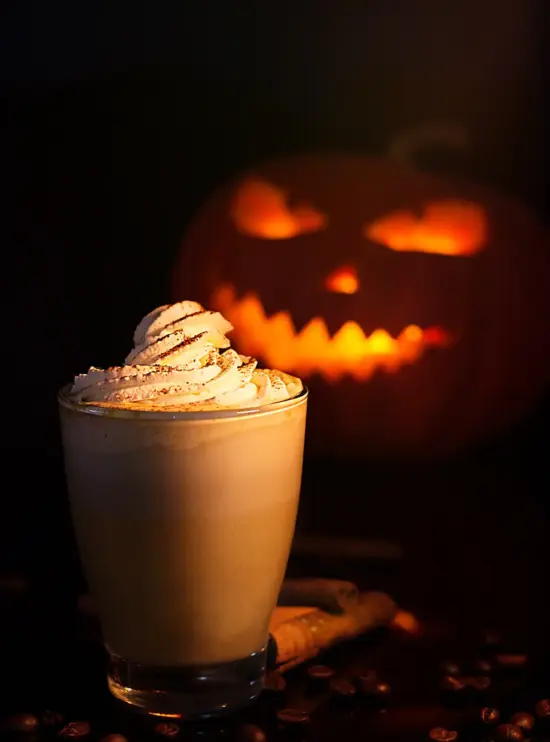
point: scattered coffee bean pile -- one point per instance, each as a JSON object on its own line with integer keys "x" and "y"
{"x": 486, "y": 698}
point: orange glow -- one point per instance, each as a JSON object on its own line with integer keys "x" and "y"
{"x": 275, "y": 341}
{"x": 124, "y": 693}
{"x": 447, "y": 228}
{"x": 343, "y": 281}
{"x": 259, "y": 209}
{"x": 406, "y": 622}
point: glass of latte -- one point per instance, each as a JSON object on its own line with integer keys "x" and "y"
{"x": 183, "y": 468}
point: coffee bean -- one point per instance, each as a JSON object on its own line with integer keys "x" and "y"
{"x": 491, "y": 637}
{"x": 22, "y": 723}
{"x": 450, "y": 668}
{"x": 293, "y": 716}
{"x": 478, "y": 682}
{"x": 523, "y": 720}
{"x": 383, "y": 690}
{"x": 75, "y": 729}
{"x": 274, "y": 683}
{"x": 368, "y": 675}
{"x": 114, "y": 738}
{"x": 51, "y": 719}
{"x": 167, "y": 729}
{"x": 483, "y": 667}
{"x": 511, "y": 661}
{"x": 250, "y": 733}
{"x": 367, "y": 682}
{"x": 320, "y": 674}
{"x": 542, "y": 708}
{"x": 489, "y": 715}
{"x": 342, "y": 689}
{"x": 439, "y": 734}
{"x": 452, "y": 684}
{"x": 508, "y": 732}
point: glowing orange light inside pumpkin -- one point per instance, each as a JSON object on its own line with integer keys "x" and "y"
{"x": 343, "y": 281}
{"x": 275, "y": 341}
{"x": 259, "y": 209}
{"x": 447, "y": 227}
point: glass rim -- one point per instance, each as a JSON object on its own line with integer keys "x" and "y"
{"x": 89, "y": 408}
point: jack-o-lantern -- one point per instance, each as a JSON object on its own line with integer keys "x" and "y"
{"x": 412, "y": 305}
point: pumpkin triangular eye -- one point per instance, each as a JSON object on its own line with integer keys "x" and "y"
{"x": 260, "y": 209}
{"x": 447, "y": 227}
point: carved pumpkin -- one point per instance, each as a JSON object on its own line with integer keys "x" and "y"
{"x": 413, "y": 306}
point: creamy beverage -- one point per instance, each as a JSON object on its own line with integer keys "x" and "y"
{"x": 183, "y": 468}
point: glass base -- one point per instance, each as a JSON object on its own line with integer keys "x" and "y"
{"x": 190, "y": 691}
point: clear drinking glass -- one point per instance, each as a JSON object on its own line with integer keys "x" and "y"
{"x": 184, "y": 523}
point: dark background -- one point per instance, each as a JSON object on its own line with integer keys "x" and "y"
{"x": 119, "y": 118}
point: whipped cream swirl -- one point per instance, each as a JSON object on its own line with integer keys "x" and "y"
{"x": 181, "y": 357}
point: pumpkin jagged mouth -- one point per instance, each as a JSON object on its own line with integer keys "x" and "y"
{"x": 349, "y": 351}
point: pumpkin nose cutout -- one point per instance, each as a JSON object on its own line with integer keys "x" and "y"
{"x": 343, "y": 280}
